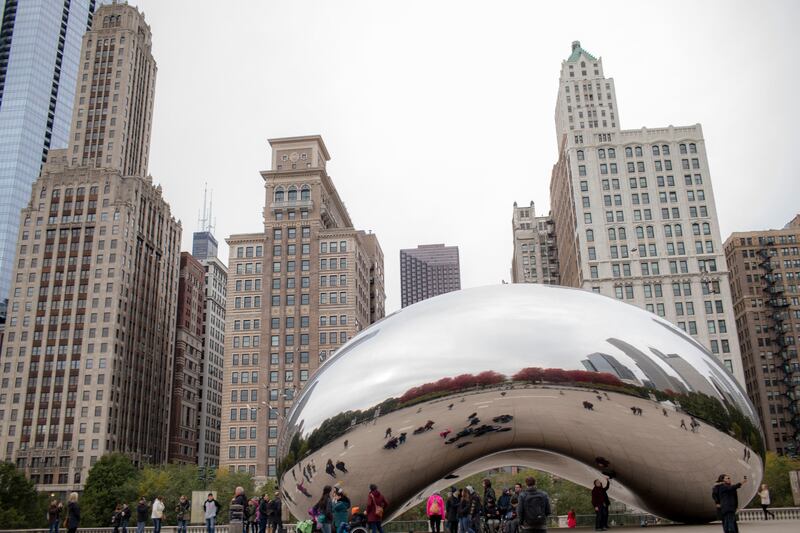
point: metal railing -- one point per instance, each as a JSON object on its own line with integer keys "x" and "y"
{"x": 781, "y": 513}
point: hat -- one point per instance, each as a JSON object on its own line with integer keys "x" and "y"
{"x": 470, "y": 489}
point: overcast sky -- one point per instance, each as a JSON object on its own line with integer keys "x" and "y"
{"x": 439, "y": 115}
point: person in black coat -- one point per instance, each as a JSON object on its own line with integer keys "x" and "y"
{"x": 451, "y": 510}
{"x": 73, "y": 513}
{"x": 275, "y": 513}
{"x": 729, "y": 503}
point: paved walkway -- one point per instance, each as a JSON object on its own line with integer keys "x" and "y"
{"x": 776, "y": 526}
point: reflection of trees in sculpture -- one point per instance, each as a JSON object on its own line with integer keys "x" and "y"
{"x": 725, "y": 417}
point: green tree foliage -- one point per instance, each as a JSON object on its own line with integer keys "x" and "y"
{"x": 170, "y": 482}
{"x": 20, "y": 505}
{"x": 776, "y": 476}
{"x": 225, "y": 484}
{"x": 112, "y": 480}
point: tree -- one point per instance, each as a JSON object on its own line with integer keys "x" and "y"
{"x": 225, "y": 484}
{"x": 776, "y": 476}
{"x": 20, "y": 505}
{"x": 170, "y": 482}
{"x": 112, "y": 480}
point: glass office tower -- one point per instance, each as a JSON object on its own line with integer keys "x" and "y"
{"x": 40, "y": 44}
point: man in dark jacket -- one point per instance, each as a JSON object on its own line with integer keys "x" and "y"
{"x": 141, "y": 515}
{"x": 715, "y": 494}
{"x": 600, "y": 502}
{"x": 533, "y": 508}
{"x": 451, "y": 511}
{"x": 275, "y": 513}
{"x": 729, "y": 503}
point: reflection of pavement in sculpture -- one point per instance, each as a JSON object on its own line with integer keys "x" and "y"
{"x": 448, "y": 357}
{"x": 670, "y": 468}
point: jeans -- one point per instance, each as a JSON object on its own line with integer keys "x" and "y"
{"x": 181, "y": 526}
{"x": 156, "y": 525}
{"x": 729, "y": 523}
{"x": 375, "y": 527}
{"x": 123, "y": 524}
{"x": 210, "y": 524}
{"x": 464, "y": 525}
{"x": 54, "y": 527}
{"x": 325, "y": 527}
{"x": 140, "y": 527}
{"x": 601, "y": 518}
{"x": 344, "y": 527}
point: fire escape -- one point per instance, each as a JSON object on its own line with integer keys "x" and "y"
{"x": 778, "y": 306}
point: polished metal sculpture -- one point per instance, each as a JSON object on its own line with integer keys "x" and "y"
{"x": 561, "y": 380}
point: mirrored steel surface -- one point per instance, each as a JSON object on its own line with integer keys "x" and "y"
{"x": 563, "y": 380}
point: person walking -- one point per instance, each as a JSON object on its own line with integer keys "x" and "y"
{"x": 158, "y": 514}
{"x": 73, "y": 519}
{"x": 275, "y": 513}
{"x": 325, "y": 510}
{"x": 434, "y": 509}
{"x": 765, "y": 502}
{"x": 464, "y": 517}
{"x": 210, "y": 510}
{"x": 183, "y": 512}
{"x": 54, "y": 515}
{"x": 141, "y": 515}
{"x": 341, "y": 511}
{"x": 125, "y": 516}
{"x": 451, "y": 511}
{"x": 599, "y": 502}
{"x": 729, "y": 503}
{"x": 533, "y": 508}
{"x": 376, "y": 507}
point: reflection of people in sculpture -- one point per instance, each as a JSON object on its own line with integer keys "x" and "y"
{"x": 340, "y": 466}
{"x": 391, "y": 444}
{"x": 329, "y": 468}
{"x": 402, "y": 437}
{"x": 429, "y": 425}
{"x": 588, "y": 406}
{"x": 683, "y": 424}
{"x": 303, "y": 490}
{"x": 729, "y": 503}
{"x": 388, "y": 433}
{"x": 445, "y": 433}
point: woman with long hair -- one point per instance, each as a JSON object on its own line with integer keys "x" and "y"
{"x": 73, "y": 513}
{"x": 765, "y": 501}
{"x": 325, "y": 510}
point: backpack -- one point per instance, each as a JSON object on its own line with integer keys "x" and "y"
{"x": 534, "y": 505}
{"x": 435, "y": 509}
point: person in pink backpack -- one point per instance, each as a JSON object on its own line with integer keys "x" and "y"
{"x": 435, "y": 509}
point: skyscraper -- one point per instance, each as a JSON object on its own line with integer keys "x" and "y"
{"x": 634, "y": 211}
{"x": 40, "y": 44}
{"x": 427, "y": 271}
{"x": 297, "y": 292}
{"x": 535, "y": 253}
{"x": 91, "y": 325}
{"x": 765, "y": 270}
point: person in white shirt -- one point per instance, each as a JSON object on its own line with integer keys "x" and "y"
{"x": 157, "y": 514}
{"x": 765, "y": 501}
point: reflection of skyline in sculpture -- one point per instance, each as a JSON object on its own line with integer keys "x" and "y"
{"x": 654, "y": 374}
{"x": 603, "y": 362}
{"x": 694, "y": 379}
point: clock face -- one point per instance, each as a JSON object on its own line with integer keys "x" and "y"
{"x": 294, "y": 157}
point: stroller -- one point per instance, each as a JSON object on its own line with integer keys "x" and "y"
{"x": 358, "y": 521}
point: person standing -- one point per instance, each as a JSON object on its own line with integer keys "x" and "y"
{"x": 263, "y": 513}
{"x": 73, "y": 513}
{"x": 240, "y": 512}
{"x": 325, "y": 510}
{"x": 125, "y": 516}
{"x": 252, "y": 516}
{"x": 158, "y": 514}
{"x": 54, "y": 515}
{"x": 434, "y": 509}
{"x": 464, "y": 517}
{"x": 376, "y": 507}
{"x": 341, "y": 510}
{"x": 533, "y": 508}
{"x": 210, "y": 510}
{"x": 116, "y": 518}
{"x": 765, "y": 502}
{"x": 729, "y": 503}
{"x": 451, "y": 511}
{"x": 141, "y": 515}
{"x": 275, "y": 513}
{"x": 599, "y": 502}
{"x": 715, "y": 494}
{"x": 182, "y": 513}
{"x": 572, "y": 521}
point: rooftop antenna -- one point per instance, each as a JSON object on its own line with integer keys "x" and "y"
{"x": 204, "y": 218}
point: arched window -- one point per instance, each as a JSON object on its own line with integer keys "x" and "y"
{"x": 665, "y": 149}
{"x": 601, "y": 153}
{"x": 628, "y": 151}
{"x": 589, "y": 235}
{"x": 639, "y": 232}
{"x": 692, "y": 148}
{"x": 638, "y": 151}
{"x": 279, "y": 194}
{"x": 682, "y": 148}
{"x": 678, "y": 230}
{"x": 622, "y": 234}
{"x": 706, "y": 228}
{"x": 651, "y": 234}
{"x": 292, "y": 196}
{"x": 612, "y": 234}
{"x": 695, "y": 229}
{"x": 667, "y": 230}
{"x": 580, "y": 155}
{"x": 612, "y": 154}
{"x": 655, "y": 150}
{"x": 43, "y": 194}
{"x": 305, "y": 193}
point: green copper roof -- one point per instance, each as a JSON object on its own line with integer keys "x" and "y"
{"x": 577, "y": 51}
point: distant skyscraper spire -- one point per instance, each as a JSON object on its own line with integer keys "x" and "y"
{"x": 204, "y": 245}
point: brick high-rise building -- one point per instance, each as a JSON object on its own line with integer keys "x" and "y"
{"x": 535, "y": 254}
{"x": 40, "y": 45}
{"x": 296, "y": 293}
{"x": 634, "y": 211}
{"x": 184, "y": 430}
{"x": 765, "y": 275}
{"x": 87, "y": 362}
{"x": 427, "y": 271}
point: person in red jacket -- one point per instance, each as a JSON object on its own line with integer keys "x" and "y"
{"x": 376, "y": 509}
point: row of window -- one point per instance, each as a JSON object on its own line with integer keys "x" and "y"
{"x": 637, "y": 150}
{"x": 290, "y": 193}
{"x": 647, "y": 214}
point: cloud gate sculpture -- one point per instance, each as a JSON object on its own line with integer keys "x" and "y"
{"x": 561, "y": 380}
